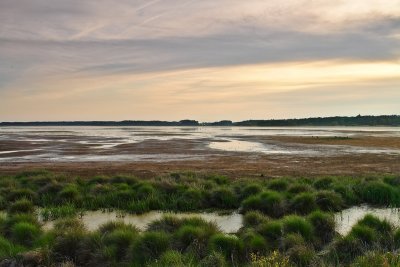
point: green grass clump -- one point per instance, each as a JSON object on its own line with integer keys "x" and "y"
{"x": 123, "y": 195}
{"x": 299, "y": 225}
{"x": 21, "y": 206}
{"x": 378, "y": 193}
{"x": 228, "y": 245}
{"x": 273, "y": 259}
{"x": 345, "y": 249}
{"x": 120, "y": 240}
{"x": 269, "y": 202}
{"x": 69, "y": 194}
{"x": 149, "y": 247}
{"x": 392, "y": 180}
{"x": 25, "y": 233}
{"x": 384, "y": 231}
{"x": 224, "y": 198}
{"x": 323, "y": 183}
{"x": 167, "y": 223}
{"x": 251, "y": 189}
{"x": 130, "y": 180}
{"x": 145, "y": 191}
{"x": 301, "y": 255}
{"x": 13, "y": 219}
{"x": 324, "y": 226}
{"x": 278, "y": 185}
{"x": 218, "y": 179}
{"x": 254, "y": 243}
{"x": 171, "y": 258}
{"x": 191, "y": 199}
{"x": 53, "y": 213}
{"x": 329, "y": 201}
{"x": 347, "y": 193}
{"x": 111, "y": 226}
{"x": 292, "y": 240}
{"x": 374, "y": 258}
{"x": 68, "y": 245}
{"x": 21, "y": 193}
{"x": 299, "y": 188}
{"x": 214, "y": 259}
{"x": 8, "y": 250}
{"x": 194, "y": 239}
{"x": 382, "y": 226}
{"x": 271, "y": 231}
{"x": 304, "y": 203}
{"x": 253, "y": 218}
{"x": 69, "y": 224}
{"x": 50, "y": 189}
{"x": 364, "y": 233}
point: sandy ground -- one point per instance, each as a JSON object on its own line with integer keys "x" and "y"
{"x": 359, "y": 141}
{"x": 233, "y": 164}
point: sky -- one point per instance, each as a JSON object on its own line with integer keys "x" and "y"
{"x": 206, "y": 60}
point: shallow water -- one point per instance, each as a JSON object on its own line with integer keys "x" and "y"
{"x": 85, "y": 143}
{"x": 229, "y": 223}
{"x": 346, "y": 219}
{"x": 246, "y": 146}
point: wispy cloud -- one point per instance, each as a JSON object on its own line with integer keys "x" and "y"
{"x": 170, "y": 52}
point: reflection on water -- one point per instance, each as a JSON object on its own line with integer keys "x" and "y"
{"x": 245, "y": 146}
{"x": 86, "y": 143}
{"x": 238, "y": 146}
{"x": 229, "y": 223}
{"x": 346, "y": 219}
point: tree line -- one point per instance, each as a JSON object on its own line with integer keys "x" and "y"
{"x": 383, "y": 120}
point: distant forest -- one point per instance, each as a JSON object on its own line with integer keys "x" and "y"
{"x": 385, "y": 120}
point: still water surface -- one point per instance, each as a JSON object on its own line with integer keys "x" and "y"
{"x": 66, "y": 144}
{"x": 231, "y": 223}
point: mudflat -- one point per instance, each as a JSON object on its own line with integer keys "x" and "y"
{"x": 234, "y": 151}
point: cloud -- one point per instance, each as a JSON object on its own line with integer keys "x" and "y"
{"x": 55, "y": 49}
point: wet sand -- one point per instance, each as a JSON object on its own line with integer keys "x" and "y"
{"x": 359, "y": 141}
{"x": 234, "y": 152}
{"x": 234, "y": 166}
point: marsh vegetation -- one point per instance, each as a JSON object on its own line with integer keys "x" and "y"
{"x": 286, "y": 221}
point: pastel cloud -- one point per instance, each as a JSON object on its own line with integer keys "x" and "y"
{"x": 159, "y": 59}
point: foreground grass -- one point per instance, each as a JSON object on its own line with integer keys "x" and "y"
{"x": 287, "y": 222}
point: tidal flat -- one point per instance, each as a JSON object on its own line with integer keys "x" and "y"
{"x": 233, "y": 151}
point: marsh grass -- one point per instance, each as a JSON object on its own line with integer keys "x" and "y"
{"x": 379, "y": 193}
{"x": 278, "y": 185}
{"x": 253, "y": 219}
{"x": 254, "y": 243}
{"x": 53, "y": 213}
{"x": 21, "y": 206}
{"x": 298, "y": 225}
{"x": 376, "y": 258}
{"x": 329, "y": 201}
{"x": 269, "y": 202}
{"x": 304, "y": 203}
{"x": 324, "y": 227}
{"x": 228, "y": 245}
{"x": 288, "y": 215}
{"x": 8, "y": 250}
{"x": 149, "y": 247}
{"x": 272, "y": 231}
{"x": 214, "y": 259}
{"x": 25, "y": 233}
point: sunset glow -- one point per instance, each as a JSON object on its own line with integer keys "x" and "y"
{"x": 205, "y": 60}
